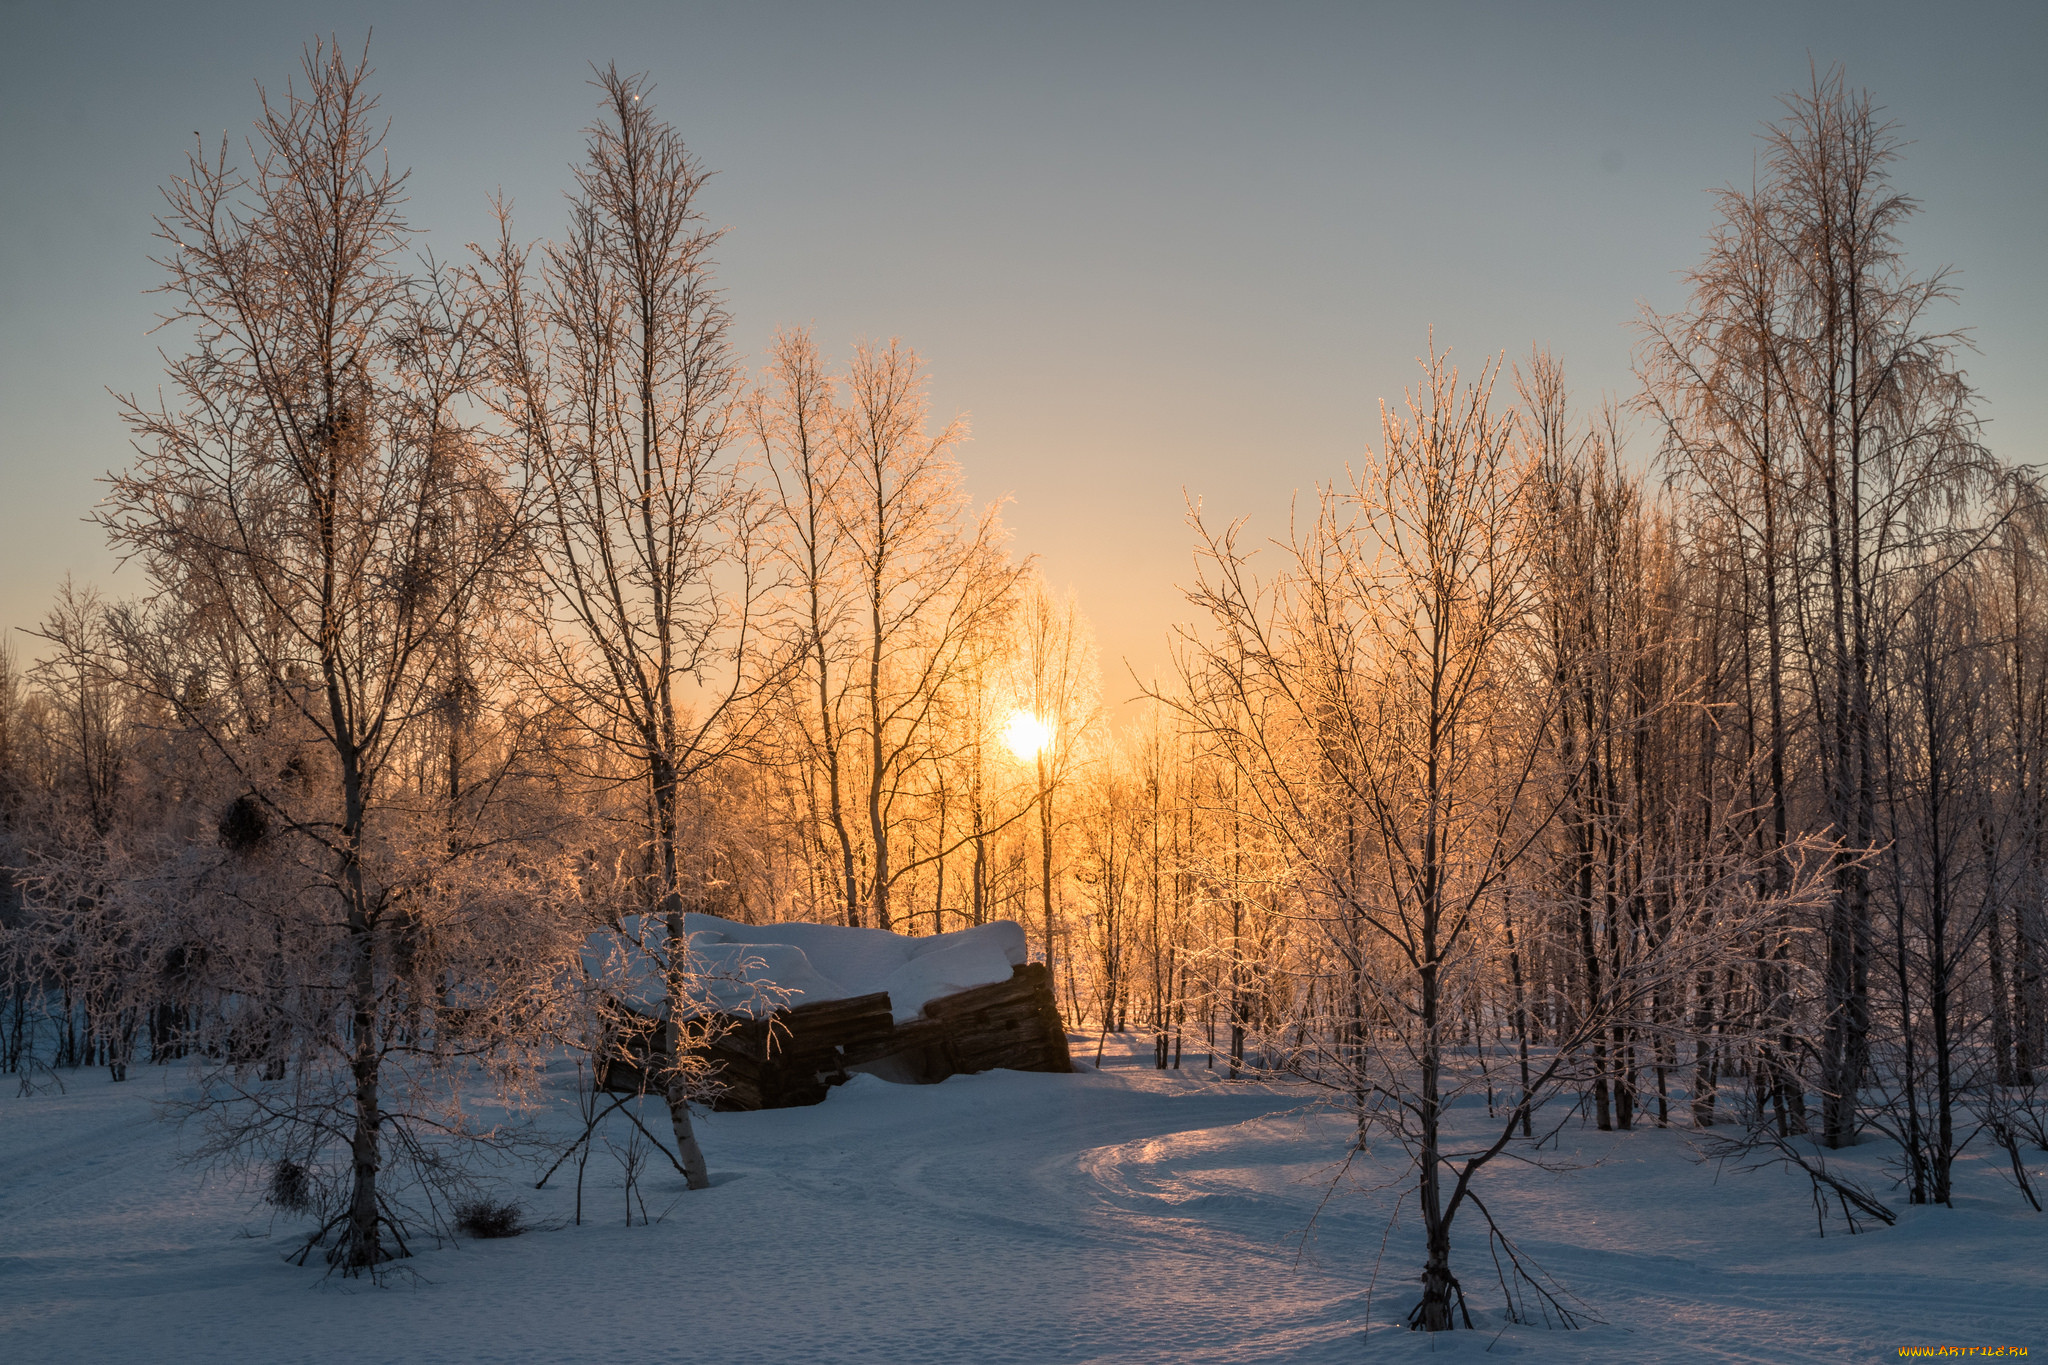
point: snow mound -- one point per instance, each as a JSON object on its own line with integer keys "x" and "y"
{"x": 976, "y": 960}
{"x": 751, "y": 969}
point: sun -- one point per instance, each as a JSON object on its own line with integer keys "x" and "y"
{"x": 1026, "y": 734}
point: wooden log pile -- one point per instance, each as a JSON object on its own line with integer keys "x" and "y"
{"x": 1013, "y": 1024}
{"x": 796, "y": 1055}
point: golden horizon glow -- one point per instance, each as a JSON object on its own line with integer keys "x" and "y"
{"x": 1026, "y": 735}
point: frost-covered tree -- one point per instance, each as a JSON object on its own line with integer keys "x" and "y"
{"x": 613, "y": 378}
{"x": 313, "y": 521}
{"x": 1387, "y": 712}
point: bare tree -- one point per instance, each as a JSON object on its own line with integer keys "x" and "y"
{"x": 1381, "y": 699}
{"x": 308, "y": 530}
{"x": 796, "y": 418}
{"x": 1356, "y": 693}
{"x": 2017, "y": 934}
{"x": 1809, "y": 394}
{"x": 77, "y": 679}
{"x": 615, "y": 382}
{"x": 1057, "y": 690}
{"x": 925, "y": 585}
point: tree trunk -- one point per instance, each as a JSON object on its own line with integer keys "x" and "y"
{"x": 675, "y": 1090}
{"x": 695, "y": 1174}
{"x": 363, "y": 1249}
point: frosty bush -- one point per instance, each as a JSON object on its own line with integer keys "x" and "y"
{"x": 487, "y": 1218}
{"x": 290, "y": 1188}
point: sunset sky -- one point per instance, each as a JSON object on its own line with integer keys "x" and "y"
{"x": 1153, "y": 251}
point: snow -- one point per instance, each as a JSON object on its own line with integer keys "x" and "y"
{"x": 749, "y": 969}
{"x": 977, "y": 959}
{"x": 1115, "y": 1215}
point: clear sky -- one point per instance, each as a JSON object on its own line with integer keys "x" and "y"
{"x": 1147, "y": 248}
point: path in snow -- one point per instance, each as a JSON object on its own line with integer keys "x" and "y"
{"x": 1113, "y": 1216}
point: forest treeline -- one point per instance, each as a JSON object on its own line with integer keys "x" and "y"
{"x": 492, "y": 601}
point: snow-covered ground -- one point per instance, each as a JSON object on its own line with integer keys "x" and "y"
{"x": 1119, "y": 1215}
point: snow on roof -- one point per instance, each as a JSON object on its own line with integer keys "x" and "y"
{"x": 751, "y": 969}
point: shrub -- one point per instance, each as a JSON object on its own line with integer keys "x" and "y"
{"x": 291, "y": 1187}
{"x": 487, "y": 1218}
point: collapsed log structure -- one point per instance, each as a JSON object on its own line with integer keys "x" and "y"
{"x": 796, "y": 1054}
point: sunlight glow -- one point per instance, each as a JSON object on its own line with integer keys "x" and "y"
{"x": 1026, "y": 734}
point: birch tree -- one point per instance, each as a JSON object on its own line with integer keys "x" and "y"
{"x": 926, "y": 581}
{"x": 1380, "y": 699}
{"x": 1358, "y": 695}
{"x": 1812, "y": 393}
{"x": 615, "y": 381}
{"x": 1057, "y": 691}
{"x": 308, "y": 526}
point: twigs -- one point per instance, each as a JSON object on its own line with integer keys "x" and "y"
{"x": 590, "y": 1124}
{"x": 2016, "y": 1116}
{"x": 2005, "y": 1135}
{"x": 1762, "y": 1146}
{"x": 1522, "y": 1272}
{"x": 588, "y": 1100}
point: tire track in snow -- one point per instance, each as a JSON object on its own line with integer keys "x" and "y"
{"x": 60, "y": 1168}
{"x": 1181, "y": 1268}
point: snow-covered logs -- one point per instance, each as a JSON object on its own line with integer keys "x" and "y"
{"x": 790, "y": 1019}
